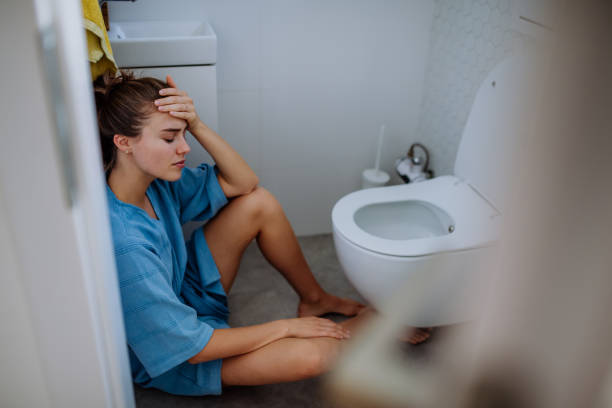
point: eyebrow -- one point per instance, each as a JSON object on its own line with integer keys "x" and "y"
{"x": 172, "y": 130}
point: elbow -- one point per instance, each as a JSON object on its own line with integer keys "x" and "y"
{"x": 254, "y": 183}
{"x": 244, "y": 186}
{"x": 250, "y": 186}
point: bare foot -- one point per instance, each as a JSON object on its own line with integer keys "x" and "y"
{"x": 417, "y": 335}
{"x": 329, "y": 304}
{"x": 414, "y": 335}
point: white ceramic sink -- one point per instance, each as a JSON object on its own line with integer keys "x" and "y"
{"x": 162, "y": 43}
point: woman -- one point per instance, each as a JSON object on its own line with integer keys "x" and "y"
{"x": 174, "y": 293}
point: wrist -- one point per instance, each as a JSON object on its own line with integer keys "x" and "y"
{"x": 199, "y": 128}
{"x": 283, "y": 328}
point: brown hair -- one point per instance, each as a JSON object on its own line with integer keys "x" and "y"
{"x": 123, "y": 103}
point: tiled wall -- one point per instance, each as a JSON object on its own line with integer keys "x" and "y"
{"x": 468, "y": 38}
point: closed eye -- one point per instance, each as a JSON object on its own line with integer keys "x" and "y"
{"x": 173, "y": 132}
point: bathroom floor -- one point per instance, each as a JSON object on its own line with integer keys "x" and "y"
{"x": 261, "y": 294}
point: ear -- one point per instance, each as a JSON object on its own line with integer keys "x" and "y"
{"x": 122, "y": 142}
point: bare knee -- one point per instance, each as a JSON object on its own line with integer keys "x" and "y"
{"x": 317, "y": 356}
{"x": 261, "y": 203}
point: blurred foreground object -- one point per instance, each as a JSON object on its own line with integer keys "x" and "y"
{"x": 544, "y": 336}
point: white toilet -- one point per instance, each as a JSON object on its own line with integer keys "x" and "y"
{"x": 436, "y": 236}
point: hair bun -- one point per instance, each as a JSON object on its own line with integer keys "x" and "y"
{"x": 106, "y": 82}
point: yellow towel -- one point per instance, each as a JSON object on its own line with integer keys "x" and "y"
{"x": 100, "y": 54}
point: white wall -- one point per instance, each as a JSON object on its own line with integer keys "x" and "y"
{"x": 305, "y": 85}
{"x": 468, "y": 38}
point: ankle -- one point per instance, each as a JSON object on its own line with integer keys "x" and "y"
{"x": 312, "y": 297}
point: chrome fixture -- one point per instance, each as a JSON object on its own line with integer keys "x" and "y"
{"x": 101, "y": 2}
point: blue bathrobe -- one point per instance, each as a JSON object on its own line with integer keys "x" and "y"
{"x": 171, "y": 293}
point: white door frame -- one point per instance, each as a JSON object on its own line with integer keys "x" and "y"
{"x": 56, "y": 253}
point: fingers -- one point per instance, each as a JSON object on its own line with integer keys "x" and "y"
{"x": 183, "y": 115}
{"x": 173, "y": 94}
{"x": 172, "y": 91}
{"x": 170, "y": 81}
{"x": 177, "y": 103}
{"x": 176, "y": 107}
{"x": 336, "y": 333}
{"x": 327, "y": 328}
{"x": 174, "y": 100}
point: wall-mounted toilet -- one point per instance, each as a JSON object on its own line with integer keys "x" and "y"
{"x": 435, "y": 237}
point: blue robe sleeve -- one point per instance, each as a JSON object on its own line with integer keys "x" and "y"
{"x": 198, "y": 193}
{"x": 162, "y": 331}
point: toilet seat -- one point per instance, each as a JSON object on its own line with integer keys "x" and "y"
{"x": 476, "y": 222}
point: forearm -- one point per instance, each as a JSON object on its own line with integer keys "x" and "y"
{"x": 235, "y": 341}
{"x": 232, "y": 166}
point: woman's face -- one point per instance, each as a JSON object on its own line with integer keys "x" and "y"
{"x": 161, "y": 148}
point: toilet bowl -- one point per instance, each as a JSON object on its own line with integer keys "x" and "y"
{"x": 436, "y": 233}
{"x": 437, "y": 239}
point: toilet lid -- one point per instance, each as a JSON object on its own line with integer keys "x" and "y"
{"x": 499, "y": 121}
{"x": 476, "y": 222}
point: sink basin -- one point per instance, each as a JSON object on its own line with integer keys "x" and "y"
{"x": 162, "y": 43}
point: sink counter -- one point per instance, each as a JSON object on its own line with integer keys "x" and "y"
{"x": 162, "y": 43}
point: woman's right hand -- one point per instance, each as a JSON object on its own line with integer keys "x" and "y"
{"x": 308, "y": 327}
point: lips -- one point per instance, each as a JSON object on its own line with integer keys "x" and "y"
{"x": 180, "y": 164}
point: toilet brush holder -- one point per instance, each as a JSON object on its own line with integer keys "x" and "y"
{"x": 374, "y": 178}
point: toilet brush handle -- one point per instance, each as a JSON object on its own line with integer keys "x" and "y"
{"x": 381, "y": 136}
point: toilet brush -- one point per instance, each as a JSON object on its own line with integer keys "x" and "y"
{"x": 376, "y": 177}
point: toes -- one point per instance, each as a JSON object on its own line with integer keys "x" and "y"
{"x": 352, "y": 307}
{"x": 351, "y": 310}
{"x": 366, "y": 310}
{"x": 331, "y": 304}
{"x": 417, "y": 340}
{"x": 420, "y": 336}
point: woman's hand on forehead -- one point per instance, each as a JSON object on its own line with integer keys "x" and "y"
{"x": 177, "y": 103}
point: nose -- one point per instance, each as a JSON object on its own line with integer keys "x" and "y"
{"x": 183, "y": 147}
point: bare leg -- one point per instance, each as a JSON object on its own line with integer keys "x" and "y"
{"x": 284, "y": 360}
{"x": 290, "y": 359}
{"x": 259, "y": 215}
